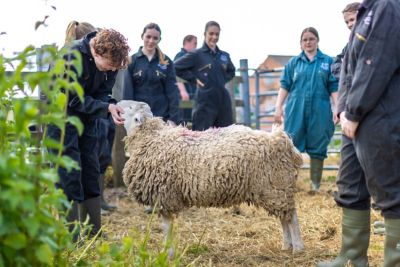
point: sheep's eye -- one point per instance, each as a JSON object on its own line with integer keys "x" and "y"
{"x": 136, "y": 120}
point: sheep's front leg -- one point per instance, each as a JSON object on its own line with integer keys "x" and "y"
{"x": 294, "y": 229}
{"x": 167, "y": 222}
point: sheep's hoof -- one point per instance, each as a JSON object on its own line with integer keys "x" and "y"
{"x": 149, "y": 210}
{"x": 287, "y": 247}
{"x": 298, "y": 249}
{"x": 171, "y": 253}
{"x": 236, "y": 210}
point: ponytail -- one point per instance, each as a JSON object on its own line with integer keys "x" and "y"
{"x": 161, "y": 56}
{"x": 70, "y": 33}
{"x": 77, "y": 30}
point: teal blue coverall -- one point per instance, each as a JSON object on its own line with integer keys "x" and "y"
{"x": 308, "y": 113}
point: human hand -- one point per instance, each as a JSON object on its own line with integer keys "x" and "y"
{"x": 342, "y": 117}
{"x": 335, "y": 118}
{"x": 184, "y": 95}
{"x": 278, "y": 116}
{"x": 116, "y": 112}
{"x": 349, "y": 128}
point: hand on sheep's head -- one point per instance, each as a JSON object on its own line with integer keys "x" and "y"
{"x": 135, "y": 113}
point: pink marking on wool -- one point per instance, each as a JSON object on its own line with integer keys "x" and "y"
{"x": 214, "y": 130}
{"x": 189, "y": 133}
{"x": 196, "y": 134}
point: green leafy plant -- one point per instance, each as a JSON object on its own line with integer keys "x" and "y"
{"x": 132, "y": 250}
{"x": 33, "y": 228}
{"x": 32, "y": 210}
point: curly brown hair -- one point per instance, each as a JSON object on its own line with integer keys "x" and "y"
{"x": 112, "y": 45}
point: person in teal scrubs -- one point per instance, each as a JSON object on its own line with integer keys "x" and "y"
{"x": 309, "y": 86}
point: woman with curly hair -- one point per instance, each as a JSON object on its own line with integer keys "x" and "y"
{"x": 103, "y": 53}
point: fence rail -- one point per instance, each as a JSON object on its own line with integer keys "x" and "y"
{"x": 243, "y": 101}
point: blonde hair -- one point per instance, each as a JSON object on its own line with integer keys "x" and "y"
{"x": 77, "y": 30}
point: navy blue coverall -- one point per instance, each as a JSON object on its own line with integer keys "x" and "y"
{"x": 153, "y": 83}
{"x": 80, "y": 185}
{"x": 351, "y": 179}
{"x": 369, "y": 94}
{"x": 214, "y": 69}
{"x": 190, "y": 89}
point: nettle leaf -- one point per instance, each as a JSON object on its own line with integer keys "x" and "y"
{"x": 78, "y": 89}
{"x": 77, "y": 62}
{"x": 15, "y": 241}
{"x": 49, "y": 175}
{"x": 44, "y": 254}
{"x": 69, "y": 164}
{"x": 50, "y": 242}
{"x": 32, "y": 80}
{"x": 1, "y": 261}
{"x": 53, "y": 144}
{"x": 59, "y": 66}
{"x": 32, "y": 225}
{"x": 28, "y": 203}
{"x": 77, "y": 123}
{"x": 8, "y": 225}
{"x": 11, "y": 197}
{"x": 20, "y": 185}
{"x": 31, "y": 110}
{"x": 61, "y": 100}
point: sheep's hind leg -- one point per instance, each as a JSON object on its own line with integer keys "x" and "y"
{"x": 294, "y": 228}
{"x": 287, "y": 238}
{"x": 167, "y": 225}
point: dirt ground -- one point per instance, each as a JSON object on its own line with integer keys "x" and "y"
{"x": 218, "y": 237}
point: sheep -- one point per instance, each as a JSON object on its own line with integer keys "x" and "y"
{"x": 220, "y": 167}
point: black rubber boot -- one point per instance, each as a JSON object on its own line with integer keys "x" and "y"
{"x": 104, "y": 205}
{"x": 355, "y": 240}
{"x": 392, "y": 243}
{"x": 91, "y": 208}
{"x": 316, "y": 168}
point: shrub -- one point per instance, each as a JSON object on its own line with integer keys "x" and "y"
{"x": 32, "y": 230}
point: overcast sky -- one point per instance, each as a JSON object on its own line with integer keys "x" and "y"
{"x": 251, "y": 29}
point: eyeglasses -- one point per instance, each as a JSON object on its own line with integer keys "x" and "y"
{"x": 305, "y": 40}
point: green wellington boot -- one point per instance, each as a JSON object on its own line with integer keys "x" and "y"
{"x": 392, "y": 243}
{"x": 316, "y": 167}
{"x": 72, "y": 218}
{"x": 355, "y": 240}
{"x": 104, "y": 205}
{"x": 91, "y": 208}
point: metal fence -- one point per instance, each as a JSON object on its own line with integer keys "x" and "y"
{"x": 258, "y": 116}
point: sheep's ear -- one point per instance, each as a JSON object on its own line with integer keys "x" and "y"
{"x": 126, "y": 103}
{"x": 145, "y": 108}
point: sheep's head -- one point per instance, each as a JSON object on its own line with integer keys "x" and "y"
{"x": 135, "y": 113}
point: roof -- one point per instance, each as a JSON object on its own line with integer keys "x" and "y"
{"x": 274, "y": 61}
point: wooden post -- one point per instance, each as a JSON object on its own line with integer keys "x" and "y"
{"x": 118, "y": 151}
{"x": 118, "y": 156}
{"x": 231, "y": 89}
